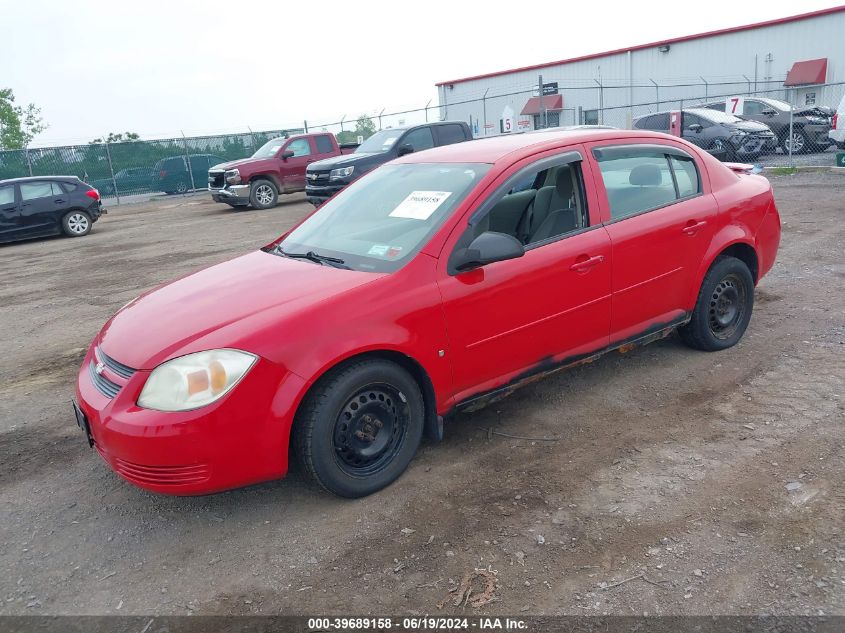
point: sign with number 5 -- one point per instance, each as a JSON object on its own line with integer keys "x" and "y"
{"x": 735, "y": 105}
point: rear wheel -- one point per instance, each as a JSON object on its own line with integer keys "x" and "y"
{"x": 76, "y": 224}
{"x": 798, "y": 141}
{"x": 181, "y": 186}
{"x": 263, "y": 194}
{"x": 723, "y": 308}
{"x": 358, "y": 429}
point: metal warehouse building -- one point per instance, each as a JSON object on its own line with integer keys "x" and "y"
{"x": 800, "y": 59}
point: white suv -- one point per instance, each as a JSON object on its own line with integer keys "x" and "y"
{"x": 837, "y": 129}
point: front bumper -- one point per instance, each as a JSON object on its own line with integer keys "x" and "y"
{"x": 232, "y": 194}
{"x": 241, "y": 439}
{"x": 753, "y": 146}
{"x": 318, "y": 194}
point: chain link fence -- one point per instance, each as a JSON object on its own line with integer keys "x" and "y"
{"x": 175, "y": 165}
{"x": 180, "y": 165}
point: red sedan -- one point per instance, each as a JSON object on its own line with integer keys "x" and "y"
{"x": 437, "y": 283}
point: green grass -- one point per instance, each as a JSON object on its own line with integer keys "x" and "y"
{"x": 784, "y": 171}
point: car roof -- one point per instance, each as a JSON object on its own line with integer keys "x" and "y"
{"x": 11, "y": 181}
{"x": 516, "y": 146}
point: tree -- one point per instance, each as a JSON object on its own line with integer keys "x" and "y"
{"x": 365, "y": 127}
{"x": 18, "y": 124}
{"x": 121, "y": 137}
{"x": 346, "y": 137}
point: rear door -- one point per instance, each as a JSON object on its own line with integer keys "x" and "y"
{"x": 10, "y": 217}
{"x": 43, "y": 204}
{"x": 660, "y": 218}
{"x": 293, "y": 169}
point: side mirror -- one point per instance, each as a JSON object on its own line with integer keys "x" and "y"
{"x": 487, "y": 248}
{"x": 286, "y": 154}
{"x": 405, "y": 149}
{"x": 769, "y": 112}
{"x": 695, "y": 127}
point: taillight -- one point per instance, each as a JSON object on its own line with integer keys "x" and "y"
{"x": 835, "y": 124}
{"x": 162, "y": 174}
{"x": 93, "y": 193}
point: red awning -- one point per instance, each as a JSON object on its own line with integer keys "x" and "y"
{"x": 553, "y": 103}
{"x": 812, "y": 71}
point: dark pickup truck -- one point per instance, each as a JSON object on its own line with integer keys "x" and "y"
{"x": 326, "y": 177}
{"x": 277, "y": 167}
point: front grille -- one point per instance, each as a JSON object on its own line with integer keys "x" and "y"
{"x": 162, "y": 475}
{"x": 216, "y": 180}
{"x": 120, "y": 369}
{"x": 317, "y": 178}
{"x": 103, "y": 384}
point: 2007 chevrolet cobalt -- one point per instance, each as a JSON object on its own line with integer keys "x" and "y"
{"x": 436, "y": 283}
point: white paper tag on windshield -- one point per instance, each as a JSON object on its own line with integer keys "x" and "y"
{"x": 419, "y": 205}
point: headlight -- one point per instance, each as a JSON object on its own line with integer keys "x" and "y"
{"x": 195, "y": 380}
{"x": 343, "y": 172}
{"x": 233, "y": 176}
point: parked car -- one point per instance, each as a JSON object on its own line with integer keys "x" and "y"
{"x": 173, "y": 174}
{"x": 326, "y": 177}
{"x": 725, "y": 136}
{"x": 837, "y": 126}
{"x": 810, "y": 126}
{"x": 428, "y": 286}
{"x": 277, "y": 167}
{"x": 128, "y": 181}
{"x": 47, "y": 205}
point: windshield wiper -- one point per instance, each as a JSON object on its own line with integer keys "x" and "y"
{"x": 314, "y": 257}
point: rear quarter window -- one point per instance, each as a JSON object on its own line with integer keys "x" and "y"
{"x": 324, "y": 144}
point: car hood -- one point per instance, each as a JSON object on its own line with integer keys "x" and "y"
{"x": 253, "y": 162}
{"x": 819, "y": 111}
{"x": 346, "y": 160}
{"x": 748, "y": 126}
{"x": 220, "y": 306}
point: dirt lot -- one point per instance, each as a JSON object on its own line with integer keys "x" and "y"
{"x": 667, "y": 467}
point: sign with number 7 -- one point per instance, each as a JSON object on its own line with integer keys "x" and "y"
{"x": 735, "y": 105}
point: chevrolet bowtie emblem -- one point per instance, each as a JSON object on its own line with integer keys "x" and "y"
{"x": 99, "y": 367}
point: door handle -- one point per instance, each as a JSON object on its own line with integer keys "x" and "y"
{"x": 583, "y": 263}
{"x": 59, "y": 201}
{"x": 694, "y": 227}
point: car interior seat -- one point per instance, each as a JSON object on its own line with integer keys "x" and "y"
{"x": 555, "y": 210}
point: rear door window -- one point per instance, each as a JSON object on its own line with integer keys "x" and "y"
{"x": 642, "y": 178}
{"x": 448, "y": 134}
{"x": 35, "y": 190}
{"x": 324, "y": 144}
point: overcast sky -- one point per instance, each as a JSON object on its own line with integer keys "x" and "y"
{"x": 159, "y": 68}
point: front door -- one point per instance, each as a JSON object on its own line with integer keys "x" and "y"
{"x": 10, "y": 217}
{"x": 512, "y": 318}
{"x": 43, "y": 204}
{"x": 660, "y": 222}
{"x": 293, "y": 168}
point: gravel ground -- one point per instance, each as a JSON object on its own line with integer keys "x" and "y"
{"x": 673, "y": 481}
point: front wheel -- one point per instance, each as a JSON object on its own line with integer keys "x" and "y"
{"x": 723, "y": 308}
{"x": 724, "y": 149}
{"x": 263, "y": 194}
{"x": 359, "y": 427}
{"x": 798, "y": 142}
{"x": 76, "y": 224}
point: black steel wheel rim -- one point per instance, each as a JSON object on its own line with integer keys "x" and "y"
{"x": 370, "y": 429}
{"x": 728, "y": 304}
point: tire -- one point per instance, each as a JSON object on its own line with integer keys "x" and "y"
{"x": 76, "y": 224}
{"x": 725, "y": 149}
{"x": 723, "y": 308}
{"x": 840, "y": 145}
{"x": 339, "y": 431}
{"x": 802, "y": 143}
{"x": 263, "y": 194}
{"x": 181, "y": 187}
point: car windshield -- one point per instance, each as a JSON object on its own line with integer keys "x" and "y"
{"x": 379, "y": 142}
{"x": 777, "y": 104}
{"x": 380, "y": 222}
{"x": 716, "y": 116}
{"x": 269, "y": 149}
